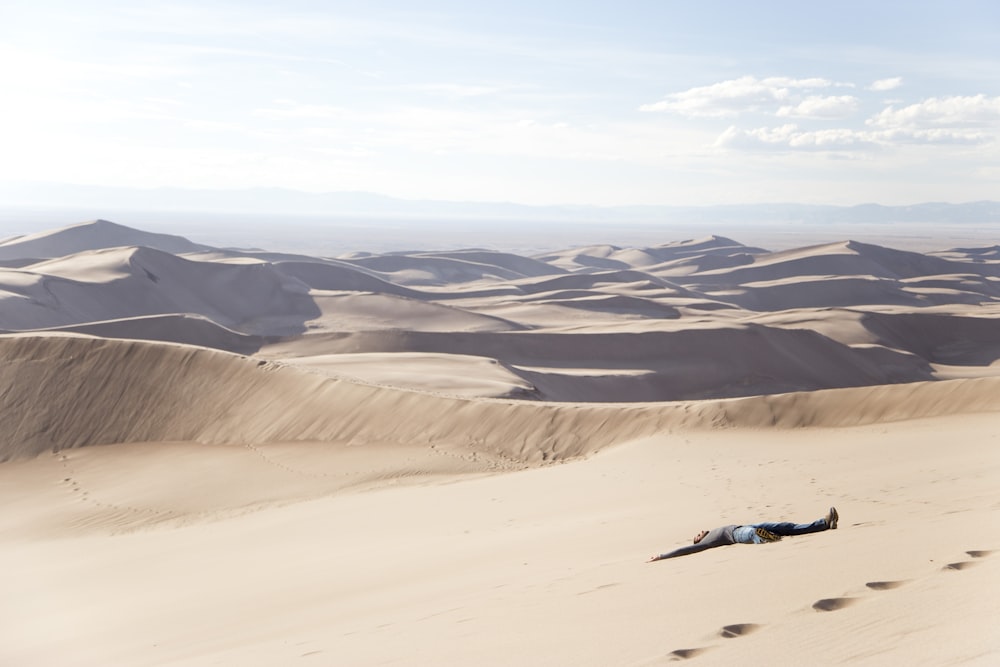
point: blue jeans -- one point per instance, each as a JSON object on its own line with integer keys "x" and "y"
{"x": 746, "y": 534}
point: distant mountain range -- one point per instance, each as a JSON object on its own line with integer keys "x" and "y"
{"x": 293, "y": 202}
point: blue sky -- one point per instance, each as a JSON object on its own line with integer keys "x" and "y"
{"x": 545, "y": 102}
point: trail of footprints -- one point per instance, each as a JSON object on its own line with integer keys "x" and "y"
{"x": 123, "y": 512}
{"x": 824, "y": 605}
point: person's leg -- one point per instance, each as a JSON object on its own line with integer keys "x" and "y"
{"x": 788, "y": 528}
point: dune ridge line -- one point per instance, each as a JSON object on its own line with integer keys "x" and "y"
{"x": 65, "y": 391}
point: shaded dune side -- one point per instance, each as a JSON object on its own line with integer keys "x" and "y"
{"x": 63, "y": 391}
{"x": 135, "y": 282}
{"x": 939, "y": 338}
{"x": 849, "y": 258}
{"x": 406, "y": 269}
{"x": 724, "y": 362}
{"x": 339, "y": 276}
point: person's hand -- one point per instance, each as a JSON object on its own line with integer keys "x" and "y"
{"x": 653, "y": 559}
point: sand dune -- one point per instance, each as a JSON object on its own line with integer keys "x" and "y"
{"x": 341, "y": 277}
{"x": 679, "y": 257}
{"x": 988, "y": 254}
{"x": 538, "y": 567}
{"x": 447, "y": 374}
{"x": 90, "y": 236}
{"x": 701, "y": 362}
{"x": 220, "y": 456}
{"x": 65, "y": 391}
{"x": 849, "y": 258}
{"x": 429, "y": 269}
{"x": 187, "y": 329}
{"x": 938, "y": 337}
{"x": 126, "y": 282}
{"x": 677, "y": 321}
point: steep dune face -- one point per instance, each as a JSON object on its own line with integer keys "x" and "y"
{"x": 65, "y": 391}
{"x": 939, "y": 338}
{"x": 133, "y": 282}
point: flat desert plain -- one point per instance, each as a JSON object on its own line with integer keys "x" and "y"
{"x": 215, "y": 456}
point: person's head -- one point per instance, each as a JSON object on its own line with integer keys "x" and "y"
{"x": 700, "y": 536}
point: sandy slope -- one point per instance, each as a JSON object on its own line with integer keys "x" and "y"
{"x": 66, "y": 391}
{"x": 538, "y": 567}
{"x": 211, "y": 456}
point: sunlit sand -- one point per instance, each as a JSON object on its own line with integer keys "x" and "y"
{"x": 231, "y": 457}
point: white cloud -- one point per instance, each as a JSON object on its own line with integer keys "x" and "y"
{"x": 729, "y": 98}
{"x": 790, "y": 137}
{"x": 821, "y": 107}
{"x": 939, "y": 121}
{"x": 886, "y": 84}
{"x": 936, "y": 136}
{"x": 942, "y": 112}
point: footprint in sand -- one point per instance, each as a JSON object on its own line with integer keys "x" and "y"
{"x": 727, "y": 631}
{"x": 833, "y": 604}
{"x": 961, "y": 565}
{"x": 884, "y": 585}
{"x": 738, "y": 630}
{"x": 685, "y": 653}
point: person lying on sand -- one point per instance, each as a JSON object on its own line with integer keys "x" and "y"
{"x": 756, "y": 533}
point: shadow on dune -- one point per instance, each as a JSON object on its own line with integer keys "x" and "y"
{"x": 65, "y": 391}
{"x": 660, "y": 365}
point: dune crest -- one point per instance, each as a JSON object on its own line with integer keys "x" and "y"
{"x": 93, "y": 235}
{"x": 65, "y": 391}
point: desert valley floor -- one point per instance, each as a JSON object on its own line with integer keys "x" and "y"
{"x": 218, "y": 456}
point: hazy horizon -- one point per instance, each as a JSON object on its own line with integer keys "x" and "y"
{"x": 334, "y": 234}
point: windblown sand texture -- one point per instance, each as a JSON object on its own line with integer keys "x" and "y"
{"x": 218, "y": 456}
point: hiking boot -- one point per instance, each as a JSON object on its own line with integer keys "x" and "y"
{"x": 831, "y": 518}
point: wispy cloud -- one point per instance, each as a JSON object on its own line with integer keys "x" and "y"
{"x": 791, "y": 137}
{"x": 821, "y": 107}
{"x": 735, "y": 96}
{"x": 937, "y": 112}
{"x": 886, "y": 84}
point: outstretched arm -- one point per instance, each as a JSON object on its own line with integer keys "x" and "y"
{"x": 683, "y": 551}
{"x": 706, "y": 539}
